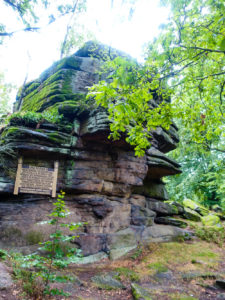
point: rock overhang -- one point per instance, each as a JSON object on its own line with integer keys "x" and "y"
{"x": 90, "y": 165}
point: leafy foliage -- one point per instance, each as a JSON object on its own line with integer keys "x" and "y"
{"x": 28, "y": 13}
{"x": 185, "y": 63}
{"x": 202, "y": 177}
{"x": 3, "y": 254}
{"x": 210, "y": 234}
{"x": 127, "y": 94}
{"x": 32, "y": 118}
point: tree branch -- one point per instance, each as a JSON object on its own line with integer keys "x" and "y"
{"x": 181, "y": 61}
{"x": 31, "y": 29}
{"x": 221, "y": 92}
{"x": 13, "y": 5}
{"x": 68, "y": 27}
{"x": 207, "y": 146}
{"x": 204, "y": 49}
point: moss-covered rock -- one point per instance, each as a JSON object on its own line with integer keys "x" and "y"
{"x": 171, "y": 221}
{"x": 99, "y": 175}
{"x": 210, "y": 220}
{"x": 140, "y": 293}
{"x": 107, "y": 282}
{"x": 40, "y": 136}
{"x": 196, "y": 207}
{"x": 191, "y": 215}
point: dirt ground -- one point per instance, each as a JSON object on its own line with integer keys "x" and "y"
{"x": 168, "y": 271}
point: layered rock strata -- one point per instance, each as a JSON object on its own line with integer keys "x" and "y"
{"x": 115, "y": 193}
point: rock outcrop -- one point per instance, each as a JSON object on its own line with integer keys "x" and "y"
{"x": 117, "y": 194}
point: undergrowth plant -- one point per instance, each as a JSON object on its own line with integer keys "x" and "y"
{"x": 27, "y": 118}
{"x": 210, "y": 234}
{"x": 41, "y": 270}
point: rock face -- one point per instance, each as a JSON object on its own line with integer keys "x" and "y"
{"x": 116, "y": 193}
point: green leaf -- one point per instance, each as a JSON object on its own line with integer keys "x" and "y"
{"x": 222, "y": 45}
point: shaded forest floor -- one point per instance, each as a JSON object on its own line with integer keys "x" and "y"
{"x": 173, "y": 271}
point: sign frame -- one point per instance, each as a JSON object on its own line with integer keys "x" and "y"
{"x": 31, "y": 190}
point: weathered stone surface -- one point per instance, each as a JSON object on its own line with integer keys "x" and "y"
{"x": 160, "y": 165}
{"x": 5, "y": 278}
{"x": 122, "y": 239}
{"x": 142, "y": 216}
{"x": 107, "y": 282}
{"x": 170, "y": 221}
{"x": 194, "y": 275}
{"x": 162, "y": 208}
{"x": 177, "y": 206}
{"x": 119, "y": 252}
{"x": 138, "y": 200}
{"x": 92, "y": 243}
{"x": 203, "y": 211}
{"x": 106, "y": 186}
{"x": 221, "y": 284}
{"x": 152, "y": 189}
{"x": 191, "y": 215}
{"x": 161, "y": 233}
{"x": 140, "y": 293}
{"x": 92, "y": 258}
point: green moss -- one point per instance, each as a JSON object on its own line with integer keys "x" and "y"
{"x": 175, "y": 209}
{"x": 208, "y": 254}
{"x": 213, "y": 234}
{"x": 140, "y": 292}
{"x": 9, "y": 132}
{"x": 196, "y": 207}
{"x": 53, "y": 86}
{"x": 210, "y": 220}
{"x": 31, "y": 119}
{"x": 68, "y": 62}
{"x": 57, "y": 88}
{"x": 33, "y": 86}
{"x": 158, "y": 267}
{"x": 58, "y": 137}
{"x": 128, "y": 273}
{"x": 35, "y": 100}
{"x": 71, "y": 62}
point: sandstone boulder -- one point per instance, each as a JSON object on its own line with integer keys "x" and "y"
{"x": 106, "y": 185}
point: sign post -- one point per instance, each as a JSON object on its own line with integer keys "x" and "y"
{"x": 36, "y": 180}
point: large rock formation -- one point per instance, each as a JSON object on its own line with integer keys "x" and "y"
{"x": 116, "y": 193}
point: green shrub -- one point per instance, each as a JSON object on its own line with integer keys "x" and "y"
{"x": 43, "y": 267}
{"x": 211, "y": 234}
{"x": 3, "y": 254}
{"x": 31, "y": 286}
{"x": 31, "y": 119}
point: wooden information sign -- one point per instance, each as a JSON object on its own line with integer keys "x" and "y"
{"x": 36, "y": 180}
